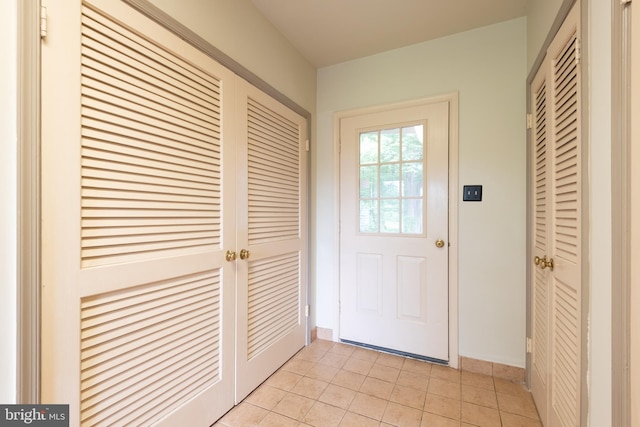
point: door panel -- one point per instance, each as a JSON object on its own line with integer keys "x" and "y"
{"x": 137, "y": 211}
{"x": 556, "y": 238}
{"x": 541, "y": 286}
{"x": 394, "y": 207}
{"x": 272, "y": 216}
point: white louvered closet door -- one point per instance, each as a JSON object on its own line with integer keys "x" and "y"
{"x": 556, "y": 285}
{"x": 541, "y": 218}
{"x": 138, "y": 300}
{"x": 272, "y": 212}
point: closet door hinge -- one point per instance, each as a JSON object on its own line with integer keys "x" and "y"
{"x": 529, "y": 121}
{"x": 307, "y": 145}
{"x": 306, "y": 310}
{"x": 43, "y": 22}
{"x": 529, "y": 345}
{"x": 578, "y": 51}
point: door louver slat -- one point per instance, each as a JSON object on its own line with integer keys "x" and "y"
{"x": 566, "y": 234}
{"x": 273, "y": 176}
{"x": 151, "y": 156}
{"x": 147, "y": 350}
{"x": 273, "y": 300}
{"x": 540, "y": 285}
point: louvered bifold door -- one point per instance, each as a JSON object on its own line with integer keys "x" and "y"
{"x": 271, "y": 325}
{"x": 138, "y": 301}
{"x": 565, "y": 242}
{"x": 540, "y": 220}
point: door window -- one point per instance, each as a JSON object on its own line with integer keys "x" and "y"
{"x": 391, "y": 184}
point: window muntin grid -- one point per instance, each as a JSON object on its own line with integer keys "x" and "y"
{"x": 391, "y": 180}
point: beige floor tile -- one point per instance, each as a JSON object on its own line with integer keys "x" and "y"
{"x": 351, "y": 419}
{"x": 349, "y": 380}
{"x": 344, "y": 349}
{"x": 444, "y": 388}
{"x": 390, "y": 360}
{"x": 359, "y": 366}
{"x": 479, "y": 396}
{"x": 413, "y": 379}
{"x": 334, "y": 384}
{"x": 408, "y": 396}
{"x": 276, "y": 420}
{"x": 283, "y": 380}
{"x": 369, "y": 406}
{"x": 521, "y": 405}
{"x": 480, "y": 415}
{"x": 337, "y": 396}
{"x": 433, "y": 420}
{"x": 312, "y": 354}
{"x": 513, "y": 420}
{"x": 322, "y": 345}
{"x": 266, "y": 397}
{"x": 365, "y": 354}
{"x": 294, "y": 406}
{"x": 377, "y": 388}
{"x": 298, "y": 366}
{"x": 323, "y": 415}
{"x": 336, "y": 360}
{"x": 384, "y": 372}
{"x": 417, "y": 366}
{"x": 477, "y": 380}
{"x": 509, "y": 387}
{"x": 244, "y": 415}
{"x": 309, "y": 387}
{"x": 322, "y": 372}
{"x": 445, "y": 373}
{"x": 444, "y": 406}
{"x": 403, "y": 416}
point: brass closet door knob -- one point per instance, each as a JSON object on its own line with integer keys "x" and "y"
{"x": 439, "y": 243}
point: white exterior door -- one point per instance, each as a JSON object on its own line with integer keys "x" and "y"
{"x": 394, "y": 229}
{"x": 556, "y": 231}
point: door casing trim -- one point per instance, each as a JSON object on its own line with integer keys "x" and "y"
{"x": 452, "y": 99}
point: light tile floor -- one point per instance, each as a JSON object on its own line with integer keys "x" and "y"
{"x": 332, "y": 384}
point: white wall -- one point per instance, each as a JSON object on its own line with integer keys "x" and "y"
{"x": 8, "y": 207}
{"x": 540, "y": 17}
{"x": 239, "y": 30}
{"x": 488, "y": 68}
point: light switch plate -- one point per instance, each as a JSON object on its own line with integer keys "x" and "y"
{"x": 472, "y": 193}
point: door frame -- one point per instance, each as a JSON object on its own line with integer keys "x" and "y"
{"x": 452, "y": 99}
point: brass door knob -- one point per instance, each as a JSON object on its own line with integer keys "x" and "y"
{"x": 439, "y": 243}
{"x": 544, "y": 263}
{"x": 230, "y": 256}
{"x": 537, "y": 260}
{"x": 244, "y": 254}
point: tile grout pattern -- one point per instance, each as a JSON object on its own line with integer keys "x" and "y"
{"x": 329, "y": 384}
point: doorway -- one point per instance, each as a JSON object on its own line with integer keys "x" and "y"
{"x": 397, "y": 246}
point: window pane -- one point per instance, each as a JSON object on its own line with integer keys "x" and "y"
{"x": 412, "y": 216}
{"x": 390, "y": 180}
{"x": 368, "y": 147}
{"x": 412, "y": 179}
{"x": 368, "y": 181}
{"x": 390, "y": 216}
{"x": 390, "y": 145}
{"x": 368, "y": 216}
{"x": 412, "y": 143}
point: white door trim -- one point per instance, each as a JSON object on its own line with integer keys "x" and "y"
{"x": 452, "y": 99}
